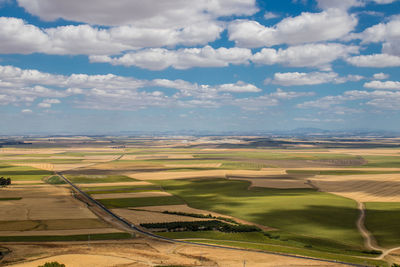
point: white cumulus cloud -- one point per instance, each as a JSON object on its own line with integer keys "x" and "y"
{"x": 305, "y": 28}
{"x": 159, "y": 14}
{"x": 309, "y": 55}
{"x": 387, "y": 85}
{"x": 375, "y": 60}
{"x": 185, "y": 58}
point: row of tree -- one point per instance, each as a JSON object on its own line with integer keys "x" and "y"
{"x": 5, "y": 181}
{"x": 212, "y": 225}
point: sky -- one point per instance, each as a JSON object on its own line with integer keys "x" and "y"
{"x": 100, "y": 66}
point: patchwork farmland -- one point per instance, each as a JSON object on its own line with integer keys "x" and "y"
{"x": 316, "y": 201}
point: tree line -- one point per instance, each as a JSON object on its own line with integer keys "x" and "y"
{"x": 5, "y": 181}
{"x": 212, "y": 225}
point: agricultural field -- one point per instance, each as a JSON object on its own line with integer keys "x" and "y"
{"x": 326, "y": 200}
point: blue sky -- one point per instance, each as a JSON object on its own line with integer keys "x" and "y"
{"x": 100, "y": 66}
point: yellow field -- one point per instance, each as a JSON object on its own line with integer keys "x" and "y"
{"x": 138, "y": 216}
{"x": 363, "y": 188}
{"x": 81, "y": 260}
{"x": 204, "y": 174}
{"x": 60, "y": 232}
{"x": 41, "y": 202}
{"x": 149, "y": 253}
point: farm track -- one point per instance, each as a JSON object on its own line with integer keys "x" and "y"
{"x": 369, "y": 240}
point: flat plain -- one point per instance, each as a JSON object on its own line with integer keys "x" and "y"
{"x": 329, "y": 199}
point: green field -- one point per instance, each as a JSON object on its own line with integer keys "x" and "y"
{"x": 83, "y": 179}
{"x": 303, "y": 215}
{"x": 382, "y": 220}
{"x": 382, "y": 161}
{"x": 23, "y": 173}
{"x": 119, "y": 189}
{"x": 140, "y": 202}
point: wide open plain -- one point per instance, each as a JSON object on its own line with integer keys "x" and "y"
{"x": 288, "y": 194}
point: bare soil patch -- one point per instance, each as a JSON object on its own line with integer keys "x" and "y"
{"x": 144, "y": 252}
{"x": 41, "y": 202}
{"x": 81, "y": 260}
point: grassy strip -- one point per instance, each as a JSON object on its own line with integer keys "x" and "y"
{"x": 122, "y": 191}
{"x": 86, "y": 179}
{"x": 44, "y": 238}
{"x": 119, "y": 189}
{"x": 24, "y": 173}
{"x": 296, "y": 251}
{"x": 242, "y": 166}
{"x": 382, "y": 220}
{"x": 9, "y": 198}
{"x": 140, "y": 202}
{"x": 55, "y": 179}
{"x": 275, "y": 238}
{"x": 382, "y": 161}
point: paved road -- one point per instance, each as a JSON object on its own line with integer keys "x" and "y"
{"x": 149, "y": 234}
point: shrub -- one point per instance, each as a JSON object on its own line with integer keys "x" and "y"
{"x": 52, "y": 264}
